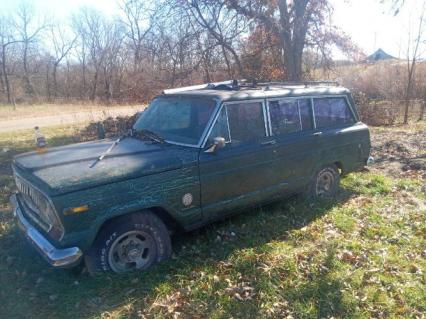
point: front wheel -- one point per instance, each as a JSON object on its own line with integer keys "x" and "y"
{"x": 131, "y": 242}
{"x": 325, "y": 183}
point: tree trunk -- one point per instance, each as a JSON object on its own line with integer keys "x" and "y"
{"x": 228, "y": 66}
{"x": 94, "y": 86}
{"x": 27, "y": 81}
{"x": 48, "y": 91}
{"x": 83, "y": 91}
{"x": 407, "y": 106}
{"x": 422, "y": 110}
{"x": 108, "y": 85}
{"x": 408, "y": 93}
{"x": 207, "y": 77}
{"x": 236, "y": 58}
{"x": 293, "y": 38}
{"x": 292, "y": 64}
{"x": 55, "y": 81}
{"x": 68, "y": 81}
{"x": 6, "y": 78}
{"x": 2, "y": 85}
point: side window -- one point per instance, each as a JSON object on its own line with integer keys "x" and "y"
{"x": 220, "y": 128}
{"x": 288, "y": 116}
{"x": 246, "y": 121}
{"x": 332, "y": 111}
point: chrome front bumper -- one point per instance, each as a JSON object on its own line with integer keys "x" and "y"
{"x": 56, "y": 257}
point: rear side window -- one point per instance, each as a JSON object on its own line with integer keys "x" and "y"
{"x": 246, "y": 122}
{"x": 288, "y": 116}
{"x": 332, "y": 111}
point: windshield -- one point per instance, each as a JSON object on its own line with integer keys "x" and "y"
{"x": 176, "y": 118}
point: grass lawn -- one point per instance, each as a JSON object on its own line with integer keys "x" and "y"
{"x": 362, "y": 255}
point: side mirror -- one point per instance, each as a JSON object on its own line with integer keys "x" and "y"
{"x": 218, "y": 143}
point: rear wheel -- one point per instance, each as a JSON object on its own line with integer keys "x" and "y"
{"x": 325, "y": 183}
{"x": 131, "y": 242}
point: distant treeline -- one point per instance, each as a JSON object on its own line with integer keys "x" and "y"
{"x": 152, "y": 45}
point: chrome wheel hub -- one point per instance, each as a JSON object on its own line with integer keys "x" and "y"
{"x": 132, "y": 250}
{"x": 133, "y": 254}
{"x": 325, "y": 182}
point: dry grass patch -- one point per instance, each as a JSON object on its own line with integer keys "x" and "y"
{"x": 9, "y": 112}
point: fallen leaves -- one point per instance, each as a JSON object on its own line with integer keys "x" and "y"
{"x": 241, "y": 291}
{"x": 171, "y": 303}
{"x": 351, "y": 258}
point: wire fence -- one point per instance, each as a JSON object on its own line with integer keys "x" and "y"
{"x": 390, "y": 112}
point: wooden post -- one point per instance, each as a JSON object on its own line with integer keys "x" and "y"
{"x": 422, "y": 110}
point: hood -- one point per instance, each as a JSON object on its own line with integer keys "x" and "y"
{"x": 68, "y": 168}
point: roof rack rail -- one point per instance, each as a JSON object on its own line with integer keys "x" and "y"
{"x": 243, "y": 83}
{"x": 304, "y": 83}
{"x": 229, "y": 84}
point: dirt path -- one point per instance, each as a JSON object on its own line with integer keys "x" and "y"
{"x": 63, "y": 118}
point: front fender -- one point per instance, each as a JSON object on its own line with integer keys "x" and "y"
{"x": 164, "y": 190}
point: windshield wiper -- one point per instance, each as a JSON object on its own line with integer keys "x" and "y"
{"x": 151, "y": 135}
{"x": 132, "y": 132}
{"x": 113, "y": 145}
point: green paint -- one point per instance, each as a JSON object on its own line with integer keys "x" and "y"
{"x": 140, "y": 175}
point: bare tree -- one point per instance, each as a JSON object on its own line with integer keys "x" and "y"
{"x": 413, "y": 54}
{"x": 92, "y": 27}
{"x": 224, "y": 25}
{"x": 139, "y": 17}
{"x": 29, "y": 30}
{"x": 7, "y": 39}
{"x": 111, "y": 62}
{"x": 62, "y": 45}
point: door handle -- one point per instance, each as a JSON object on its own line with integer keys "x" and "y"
{"x": 271, "y": 142}
{"x": 317, "y": 134}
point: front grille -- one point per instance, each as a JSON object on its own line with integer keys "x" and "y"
{"x": 36, "y": 204}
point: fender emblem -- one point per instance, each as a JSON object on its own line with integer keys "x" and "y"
{"x": 187, "y": 199}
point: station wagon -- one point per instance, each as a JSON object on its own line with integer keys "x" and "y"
{"x": 195, "y": 155}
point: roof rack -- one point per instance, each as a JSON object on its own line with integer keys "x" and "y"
{"x": 237, "y": 84}
{"x": 230, "y": 84}
{"x": 301, "y": 83}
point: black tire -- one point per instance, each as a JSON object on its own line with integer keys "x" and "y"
{"x": 330, "y": 174}
{"x": 145, "y": 234}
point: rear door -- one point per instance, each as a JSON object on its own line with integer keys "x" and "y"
{"x": 296, "y": 149}
{"x": 239, "y": 173}
{"x": 341, "y": 137}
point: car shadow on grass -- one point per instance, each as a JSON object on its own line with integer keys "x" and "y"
{"x": 31, "y": 288}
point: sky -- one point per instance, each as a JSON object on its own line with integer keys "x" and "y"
{"x": 370, "y": 23}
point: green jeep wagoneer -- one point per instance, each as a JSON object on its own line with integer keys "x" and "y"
{"x": 195, "y": 155}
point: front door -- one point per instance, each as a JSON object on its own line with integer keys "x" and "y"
{"x": 238, "y": 173}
